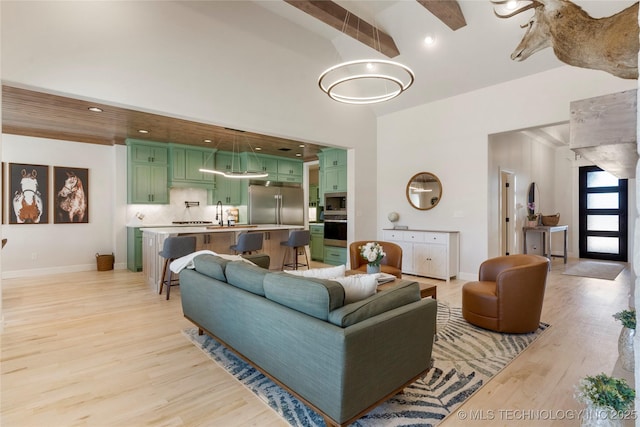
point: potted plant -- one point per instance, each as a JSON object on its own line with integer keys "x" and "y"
{"x": 625, "y": 340}
{"x": 373, "y": 253}
{"x": 609, "y": 400}
{"x": 532, "y": 216}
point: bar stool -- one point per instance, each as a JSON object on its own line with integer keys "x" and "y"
{"x": 297, "y": 239}
{"x": 173, "y": 248}
{"x": 248, "y": 242}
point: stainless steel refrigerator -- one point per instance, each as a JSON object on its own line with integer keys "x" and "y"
{"x": 276, "y": 205}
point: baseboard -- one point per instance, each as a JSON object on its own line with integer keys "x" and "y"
{"x": 55, "y": 270}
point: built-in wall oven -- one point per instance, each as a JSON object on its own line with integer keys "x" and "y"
{"x": 335, "y": 219}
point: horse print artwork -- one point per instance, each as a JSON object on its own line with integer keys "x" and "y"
{"x": 72, "y": 198}
{"x": 29, "y": 186}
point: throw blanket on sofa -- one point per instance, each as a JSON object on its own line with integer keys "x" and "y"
{"x": 186, "y": 261}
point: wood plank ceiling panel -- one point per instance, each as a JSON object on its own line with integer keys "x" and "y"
{"x": 44, "y": 115}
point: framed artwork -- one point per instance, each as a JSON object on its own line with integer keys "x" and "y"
{"x": 28, "y": 194}
{"x": 71, "y": 201}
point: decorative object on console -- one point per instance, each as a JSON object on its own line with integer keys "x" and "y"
{"x": 550, "y": 220}
{"x": 607, "y": 398}
{"x": 28, "y": 193}
{"x": 424, "y": 191}
{"x": 393, "y": 217}
{"x": 625, "y": 340}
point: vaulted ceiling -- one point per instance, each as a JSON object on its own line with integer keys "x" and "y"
{"x": 471, "y": 52}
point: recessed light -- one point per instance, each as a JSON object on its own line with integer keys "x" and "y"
{"x": 298, "y": 155}
{"x": 95, "y": 109}
{"x": 301, "y": 145}
{"x": 257, "y": 148}
{"x": 206, "y": 140}
{"x": 143, "y": 131}
{"x": 429, "y": 39}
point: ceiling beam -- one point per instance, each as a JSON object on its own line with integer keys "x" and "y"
{"x": 448, "y": 11}
{"x": 342, "y": 20}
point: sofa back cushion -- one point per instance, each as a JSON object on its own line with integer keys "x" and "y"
{"x": 311, "y": 296}
{"x": 211, "y": 265}
{"x": 404, "y": 293}
{"x": 246, "y": 276}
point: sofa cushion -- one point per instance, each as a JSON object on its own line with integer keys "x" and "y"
{"x": 404, "y": 293}
{"x": 211, "y": 265}
{"x": 320, "y": 273}
{"x": 358, "y": 286}
{"x": 261, "y": 260}
{"x": 311, "y": 296}
{"x": 246, "y": 276}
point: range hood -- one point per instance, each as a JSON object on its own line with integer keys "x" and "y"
{"x": 603, "y": 131}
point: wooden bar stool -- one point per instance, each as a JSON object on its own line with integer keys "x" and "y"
{"x": 297, "y": 239}
{"x": 174, "y": 248}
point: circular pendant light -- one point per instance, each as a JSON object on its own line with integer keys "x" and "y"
{"x": 366, "y": 81}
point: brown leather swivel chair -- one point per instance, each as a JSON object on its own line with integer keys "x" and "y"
{"x": 509, "y": 294}
{"x": 390, "y": 264}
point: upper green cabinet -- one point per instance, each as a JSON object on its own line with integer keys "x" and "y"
{"x": 147, "y": 171}
{"x": 279, "y": 169}
{"x": 226, "y": 190}
{"x": 186, "y": 162}
{"x": 333, "y": 172}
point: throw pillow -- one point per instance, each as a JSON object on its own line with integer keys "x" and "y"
{"x": 357, "y": 287}
{"x": 320, "y": 273}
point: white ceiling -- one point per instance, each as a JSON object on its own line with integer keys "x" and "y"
{"x": 471, "y": 58}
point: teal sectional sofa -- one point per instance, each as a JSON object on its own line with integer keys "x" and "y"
{"x": 341, "y": 360}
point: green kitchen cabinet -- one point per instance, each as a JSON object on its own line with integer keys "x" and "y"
{"x": 147, "y": 172}
{"x": 134, "y": 249}
{"x": 317, "y": 242}
{"x": 333, "y": 172}
{"x": 335, "y": 255}
{"x": 289, "y": 170}
{"x": 186, "y": 162}
{"x": 253, "y": 162}
{"x": 226, "y": 190}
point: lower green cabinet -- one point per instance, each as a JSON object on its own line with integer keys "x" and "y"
{"x": 334, "y": 255}
{"x": 134, "y": 249}
{"x": 317, "y": 242}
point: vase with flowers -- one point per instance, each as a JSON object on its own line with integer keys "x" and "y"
{"x": 532, "y": 216}
{"x": 625, "y": 340}
{"x": 609, "y": 400}
{"x": 373, "y": 253}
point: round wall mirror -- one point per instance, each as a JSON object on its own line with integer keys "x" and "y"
{"x": 424, "y": 191}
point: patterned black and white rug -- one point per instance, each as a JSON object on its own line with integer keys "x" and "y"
{"x": 465, "y": 358}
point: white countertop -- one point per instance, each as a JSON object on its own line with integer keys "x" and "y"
{"x": 181, "y": 229}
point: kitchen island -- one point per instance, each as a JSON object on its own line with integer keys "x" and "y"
{"x": 212, "y": 237}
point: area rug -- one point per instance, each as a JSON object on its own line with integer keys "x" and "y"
{"x": 596, "y": 269}
{"x": 465, "y": 358}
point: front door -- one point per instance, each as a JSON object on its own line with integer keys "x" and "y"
{"x": 603, "y": 215}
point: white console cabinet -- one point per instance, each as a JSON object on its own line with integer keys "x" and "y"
{"x": 428, "y": 253}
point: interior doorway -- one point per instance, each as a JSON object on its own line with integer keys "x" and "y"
{"x": 507, "y": 209}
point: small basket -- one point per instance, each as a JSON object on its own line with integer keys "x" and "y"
{"x": 551, "y": 220}
{"x": 105, "y": 262}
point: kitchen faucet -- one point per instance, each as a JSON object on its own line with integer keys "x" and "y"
{"x": 219, "y": 219}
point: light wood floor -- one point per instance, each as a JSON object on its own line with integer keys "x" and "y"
{"x": 100, "y": 349}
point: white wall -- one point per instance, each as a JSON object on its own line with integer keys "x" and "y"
{"x": 44, "y": 248}
{"x": 450, "y": 139}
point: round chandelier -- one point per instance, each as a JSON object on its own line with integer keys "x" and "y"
{"x": 366, "y": 81}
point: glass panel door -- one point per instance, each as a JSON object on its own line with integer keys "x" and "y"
{"x": 603, "y": 215}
